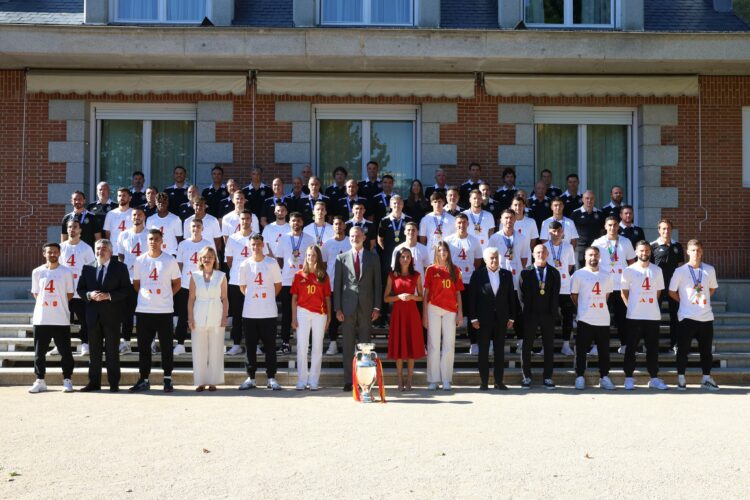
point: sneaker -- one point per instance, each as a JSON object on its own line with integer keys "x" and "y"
{"x": 548, "y": 384}
{"x": 258, "y": 350}
{"x": 540, "y": 352}
{"x": 525, "y": 383}
{"x": 674, "y": 350}
{"x": 621, "y": 349}
{"x": 333, "y": 349}
{"x": 153, "y": 347}
{"x": 630, "y": 384}
{"x": 447, "y": 386}
{"x": 178, "y": 349}
{"x": 709, "y": 384}
{"x": 492, "y": 347}
{"x": 432, "y": 386}
{"x": 284, "y": 349}
{"x": 85, "y": 351}
{"x": 313, "y": 387}
{"x": 519, "y": 346}
{"x": 249, "y": 383}
{"x": 594, "y": 351}
{"x": 566, "y": 350}
{"x": 53, "y": 352}
{"x": 168, "y": 387}
{"x": 234, "y": 350}
{"x": 39, "y": 386}
{"x": 606, "y": 384}
{"x": 301, "y": 386}
{"x": 273, "y": 385}
{"x": 580, "y": 383}
{"x": 124, "y": 347}
{"x": 474, "y": 350}
{"x": 67, "y": 385}
{"x": 681, "y": 383}
{"x": 141, "y": 385}
{"x": 657, "y": 383}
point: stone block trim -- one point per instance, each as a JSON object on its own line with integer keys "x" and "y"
{"x": 515, "y": 113}
{"x": 658, "y": 114}
{"x": 67, "y": 110}
{"x": 296, "y": 152}
{"x": 439, "y": 154}
{"x": 515, "y": 154}
{"x": 292, "y": 111}
{"x": 215, "y": 111}
{"x": 658, "y": 197}
{"x": 215, "y": 152}
{"x": 59, "y": 194}
{"x": 660, "y": 156}
{"x": 292, "y": 152}
{"x": 63, "y": 152}
{"x": 206, "y": 131}
{"x": 434, "y": 154}
{"x": 439, "y": 113}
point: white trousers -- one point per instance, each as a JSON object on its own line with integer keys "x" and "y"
{"x": 309, "y": 320}
{"x": 208, "y": 355}
{"x": 441, "y": 326}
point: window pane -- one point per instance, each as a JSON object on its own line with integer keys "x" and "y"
{"x": 557, "y": 150}
{"x": 138, "y": 9}
{"x": 340, "y": 144}
{"x": 606, "y": 159}
{"x": 391, "y": 11}
{"x": 172, "y": 144}
{"x": 342, "y": 11}
{"x": 392, "y": 146}
{"x": 592, "y": 11}
{"x": 545, "y": 11}
{"x": 186, "y": 10}
{"x": 121, "y": 151}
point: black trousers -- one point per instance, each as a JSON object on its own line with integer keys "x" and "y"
{"x": 545, "y": 323}
{"x": 495, "y": 333}
{"x": 567, "y": 312}
{"x": 690, "y": 329}
{"x": 263, "y": 329}
{"x": 286, "y": 313}
{"x": 585, "y": 336}
{"x": 236, "y": 303}
{"x": 618, "y": 309}
{"x": 180, "y": 309}
{"x": 648, "y": 330}
{"x": 78, "y": 311}
{"x": 43, "y": 334}
{"x": 673, "y": 323}
{"x": 471, "y": 332}
{"x": 518, "y": 325}
{"x": 107, "y": 339}
{"x": 333, "y": 326}
{"x": 150, "y": 324}
{"x": 128, "y": 311}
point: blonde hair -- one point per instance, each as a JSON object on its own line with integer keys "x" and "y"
{"x": 206, "y": 251}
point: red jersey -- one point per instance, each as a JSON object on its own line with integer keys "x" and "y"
{"x": 442, "y": 289}
{"x": 311, "y": 293}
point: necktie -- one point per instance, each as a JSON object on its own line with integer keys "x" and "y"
{"x": 356, "y": 265}
{"x": 100, "y": 278}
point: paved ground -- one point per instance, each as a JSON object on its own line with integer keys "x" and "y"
{"x": 324, "y": 445}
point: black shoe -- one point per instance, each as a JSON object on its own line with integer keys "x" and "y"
{"x": 526, "y": 383}
{"x": 348, "y": 388}
{"x": 501, "y": 387}
{"x": 141, "y": 385}
{"x": 114, "y": 388}
{"x": 548, "y": 384}
{"x": 168, "y": 387}
{"x": 284, "y": 349}
{"x": 484, "y": 387}
{"x": 90, "y": 388}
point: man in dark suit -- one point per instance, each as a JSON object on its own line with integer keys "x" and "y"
{"x": 492, "y": 310}
{"x": 104, "y": 288}
{"x": 539, "y": 291}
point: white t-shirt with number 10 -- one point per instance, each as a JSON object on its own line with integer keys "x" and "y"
{"x": 51, "y": 287}
{"x": 644, "y": 285}
{"x": 592, "y": 289}
{"x": 155, "y": 276}
{"x": 187, "y": 255}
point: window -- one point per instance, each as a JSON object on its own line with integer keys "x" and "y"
{"x": 746, "y": 147}
{"x": 596, "y": 144}
{"x": 367, "y": 12}
{"x": 161, "y": 11}
{"x": 151, "y": 139}
{"x": 571, "y": 13}
{"x": 350, "y": 137}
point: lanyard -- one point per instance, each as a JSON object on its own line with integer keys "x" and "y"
{"x": 318, "y": 237}
{"x": 295, "y": 246}
{"x": 697, "y": 281}
{"x": 612, "y": 250}
{"x": 397, "y": 230}
{"x": 542, "y": 276}
{"x": 556, "y": 258}
{"x": 508, "y": 242}
{"x": 477, "y": 223}
{"x": 439, "y": 225}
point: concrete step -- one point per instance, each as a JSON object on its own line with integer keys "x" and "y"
{"x": 23, "y": 306}
{"x": 12, "y": 288}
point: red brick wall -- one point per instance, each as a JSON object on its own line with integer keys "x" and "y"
{"x": 477, "y": 135}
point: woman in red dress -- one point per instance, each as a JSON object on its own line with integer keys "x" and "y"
{"x": 403, "y": 289}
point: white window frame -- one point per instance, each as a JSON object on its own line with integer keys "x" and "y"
{"x": 367, "y": 16}
{"x": 615, "y": 8}
{"x": 145, "y": 113}
{"x": 162, "y": 16}
{"x": 746, "y": 147}
{"x": 584, "y": 116}
{"x": 367, "y": 113}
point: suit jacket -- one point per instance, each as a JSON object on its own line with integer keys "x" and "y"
{"x": 487, "y": 307}
{"x": 533, "y": 303}
{"x": 349, "y": 292}
{"x": 116, "y": 283}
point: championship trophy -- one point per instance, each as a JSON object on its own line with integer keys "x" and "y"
{"x": 366, "y": 370}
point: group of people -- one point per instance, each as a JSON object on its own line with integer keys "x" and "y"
{"x": 342, "y": 260}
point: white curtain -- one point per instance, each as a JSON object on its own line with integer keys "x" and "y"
{"x": 592, "y": 11}
{"x": 545, "y": 11}
{"x": 607, "y": 159}
{"x": 138, "y": 9}
{"x": 186, "y": 10}
{"x": 391, "y": 12}
{"x": 342, "y": 11}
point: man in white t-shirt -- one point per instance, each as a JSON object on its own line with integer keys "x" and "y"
{"x": 589, "y": 289}
{"x": 569, "y": 228}
{"x": 211, "y": 226}
{"x": 616, "y": 253}
{"x": 74, "y": 254}
{"x": 230, "y": 223}
{"x": 641, "y": 286}
{"x": 156, "y": 278}
{"x": 260, "y": 282}
{"x": 291, "y": 257}
{"x": 437, "y": 225}
{"x": 481, "y": 222}
{"x": 131, "y": 244}
{"x": 236, "y": 252}
{"x": 273, "y": 232}
{"x": 52, "y": 287}
{"x": 319, "y": 230}
{"x": 335, "y": 247}
{"x": 692, "y": 285}
{"x": 562, "y": 256}
{"x": 523, "y": 225}
{"x": 187, "y": 261}
{"x": 514, "y": 248}
{"x": 419, "y": 253}
{"x": 168, "y": 223}
{"x": 119, "y": 219}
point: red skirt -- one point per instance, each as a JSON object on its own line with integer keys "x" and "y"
{"x": 405, "y": 337}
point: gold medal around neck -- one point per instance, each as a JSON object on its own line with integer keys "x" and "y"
{"x": 396, "y": 239}
{"x": 541, "y": 288}
{"x": 541, "y": 292}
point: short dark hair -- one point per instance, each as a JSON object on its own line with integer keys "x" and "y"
{"x": 520, "y": 198}
{"x": 507, "y": 171}
{"x": 623, "y": 207}
{"x": 572, "y": 176}
{"x": 72, "y": 221}
{"x": 556, "y": 199}
{"x": 340, "y": 169}
{"x": 611, "y": 218}
{"x": 248, "y": 212}
{"x": 643, "y": 242}
{"x": 461, "y": 216}
{"x": 124, "y": 190}
{"x": 179, "y": 167}
{"x": 387, "y": 176}
{"x": 51, "y": 244}
{"x": 138, "y": 172}
{"x": 373, "y": 162}
{"x": 507, "y": 211}
{"x": 256, "y": 237}
{"x": 140, "y": 209}
{"x": 359, "y": 202}
{"x": 340, "y": 218}
{"x": 554, "y": 225}
{"x": 475, "y": 164}
{"x": 596, "y": 250}
{"x": 218, "y": 168}
{"x": 436, "y": 196}
{"x": 546, "y": 170}
{"x": 295, "y": 214}
{"x": 79, "y": 192}
{"x": 412, "y": 223}
{"x": 155, "y": 232}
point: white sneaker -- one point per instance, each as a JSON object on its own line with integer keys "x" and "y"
{"x": 492, "y": 347}
{"x": 709, "y": 384}
{"x": 674, "y": 350}
{"x": 594, "y": 351}
{"x": 432, "y": 386}
{"x": 67, "y": 385}
{"x": 85, "y": 351}
{"x": 606, "y": 384}
{"x": 657, "y": 383}
{"x": 249, "y": 383}
{"x": 580, "y": 383}
{"x": 258, "y": 350}
{"x": 519, "y": 346}
{"x": 630, "y": 383}
{"x": 681, "y": 383}
{"x": 234, "y": 350}
{"x": 621, "y": 349}
{"x": 301, "y": 386}
{"x": 447, "y": 386}
{"x": 39, "y": 386}
{"x": 273, "y": 385}
{"x": 474, "y": 350}
{"x": 124, "y": 346}
{"x": 53, "y": 352}
{"x": 178, "y": 349}
{"x": 153, "y": 346}
{"x": 333, "y": 349}
{"x": 566, "y": 350}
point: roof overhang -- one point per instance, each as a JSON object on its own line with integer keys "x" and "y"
{"x": 591, "y": 85}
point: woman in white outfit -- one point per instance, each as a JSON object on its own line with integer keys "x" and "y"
{"x": 207, "y": 317}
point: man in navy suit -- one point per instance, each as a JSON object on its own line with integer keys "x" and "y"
{"x": 492, "y": 310}
{"x": 104, "y": 288}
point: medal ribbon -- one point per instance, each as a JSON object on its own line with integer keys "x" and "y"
{"x": 295, "y": 246}
{"x": 318, "y": 237}
{"x": 508, "y": 242}
{"x": 542, "y": 276}
{"x": 555, "y": 258}
{"x": 476, "y": 222}
{"x": 397, "y": 230}
{"x": 613, "y": 250}
{"x": 439, "y": 226}
{"x": 697, "y": 281}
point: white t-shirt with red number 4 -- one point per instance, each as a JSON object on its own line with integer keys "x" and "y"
{"x": 614, "y": 256}
{"x": 117, "y": 222}
{"x": 260, "y": 278}
{"x": 51, "y": 287}
{"x": 74, "y": 257}
{"x": 592, "y": 289}
{"x": 293, "y": 259}
{"x": 238, "y": 248}
{"x": 480, "y": 226}
{"x": 155, "y": 276}
{"x": 463, "y": 253}
{"x": 187, "y": 255}
{"x": 132, "y": 245}
{"x": 512, "y": 249}
{"x": 272, "y": 234}
{"x": 170, "y": 227}
{"x": 695, "y": 297}
{"x": 644, "y": 285}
